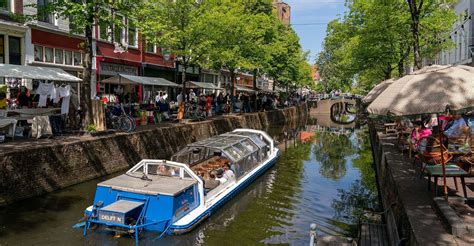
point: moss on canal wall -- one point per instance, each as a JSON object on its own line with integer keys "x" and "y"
{"x": 36, "y": 171}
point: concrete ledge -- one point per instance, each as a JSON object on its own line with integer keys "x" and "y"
{"x": 455, "y": 224}
{"x": 53, "y": 165}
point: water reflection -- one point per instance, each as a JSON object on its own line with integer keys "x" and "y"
{"x": 343, "y": 112}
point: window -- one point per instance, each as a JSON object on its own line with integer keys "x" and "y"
{"x": 2, "y": 49}
{"x": 132, "y": 36}
{"x": 118, "y": 30}
{"x": 14, "y": 50}
{"x": 77, "y": 59}
{"x": 38, "y": 53}
{"x": 48, "y": 54}
{"x": 150, "y": 47}
{"x": 103, "y": 31}
{"x": 58, "y": 56}
{"x": 43, "y": 15}
{"x": 4, "y": 5}
{"x": 68, "y": 57}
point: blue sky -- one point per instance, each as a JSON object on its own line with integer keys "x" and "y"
{"x": 313, "y": 11}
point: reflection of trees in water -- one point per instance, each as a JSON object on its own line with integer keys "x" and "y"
{"x": 350, "y": 204}
{"x": 331, "y": 150}
{"x": 260, "y": 219}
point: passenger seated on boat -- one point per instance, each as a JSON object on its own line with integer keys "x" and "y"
{"x": 220, "y": 177}
{"x": 210, "y": 181}
{"x": 228, "y": 173}
{"x": 163, "y": 170}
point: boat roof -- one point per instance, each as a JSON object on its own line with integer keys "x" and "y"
{"x": 228, "y": 139}
{"x": 157, "y": 185}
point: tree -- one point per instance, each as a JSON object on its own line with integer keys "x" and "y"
{"x": 431, "y": 20}
{"x": 373, "y": 42}
{"x": 176, "y": 24}
{"x": 87, "y": 15}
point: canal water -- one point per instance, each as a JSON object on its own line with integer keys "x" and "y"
{"x": 327, "y": 181}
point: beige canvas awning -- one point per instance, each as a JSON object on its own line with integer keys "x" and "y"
{"x": 431, "y": 89}
{"x": 375, "y": 92}
{"x": 244, "y": 89}
{"x": 33, "y": 72}
{"x": 124, "y": 79}
{"x": 202, "y": 85}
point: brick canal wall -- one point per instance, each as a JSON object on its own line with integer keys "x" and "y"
{"x": 36, "y": 171}
{"x": 407, "y": 195}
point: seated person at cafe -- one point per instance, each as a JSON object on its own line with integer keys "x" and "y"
{"x": 456, "y": 129}
{"x": 418, "y": 134}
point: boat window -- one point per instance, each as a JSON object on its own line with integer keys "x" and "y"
{"x": 249, "y": 145}
{"x": 244, "y": 151}
{"x": 233, "y": 153}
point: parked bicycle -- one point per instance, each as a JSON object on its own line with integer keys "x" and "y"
{"x": 117, "y": 118}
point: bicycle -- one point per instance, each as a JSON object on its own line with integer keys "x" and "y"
{"x": 117, "y": 118}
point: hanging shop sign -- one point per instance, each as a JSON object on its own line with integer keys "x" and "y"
{"x": 115, "y": 69}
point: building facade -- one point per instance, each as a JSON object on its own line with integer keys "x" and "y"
{"x": 461, "y": 35}
{"x": 283, "y": 11}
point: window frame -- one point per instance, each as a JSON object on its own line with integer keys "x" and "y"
{"x": 154, "y": 48}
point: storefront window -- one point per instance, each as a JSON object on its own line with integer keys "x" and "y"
{"x": 38, "y": 53}
{"x": 58, "y": 56}
{"x": 14, "y": 49}
{"x": 68, "y": 57}
{"x": 2, "y": 49}
{"x": 77, "y": 59}
{"x": 48, "y": 54}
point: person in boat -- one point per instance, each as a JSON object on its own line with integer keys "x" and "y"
{"x": 210, "y": 181}
{"x": 228, "y": 173}
{"x": 163, "y": 170}
{"x": 219, "y": 173}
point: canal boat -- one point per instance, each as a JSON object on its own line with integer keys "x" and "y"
{"x": 173, "y": 197}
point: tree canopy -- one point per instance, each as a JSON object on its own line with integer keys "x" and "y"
{"x": 375, "y": 41}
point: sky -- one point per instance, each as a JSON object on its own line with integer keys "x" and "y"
{"x": 309, "y": 18}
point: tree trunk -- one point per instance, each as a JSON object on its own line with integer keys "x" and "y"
{"x": 415, "y": 29}
{"x": 183, "y": 78}
{"x": 255, "y": 87}
{"x": 232, "y": 82}
{"x": 86, "y": 102}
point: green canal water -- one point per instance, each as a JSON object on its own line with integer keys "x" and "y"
{"x": 327, "y": 181}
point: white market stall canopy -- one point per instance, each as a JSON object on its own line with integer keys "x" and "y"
{"x": 124, "y": 79}
{"x": 202, "y": 85}
{"x": 33, "y": 72}
{"x": 244, "y": 89}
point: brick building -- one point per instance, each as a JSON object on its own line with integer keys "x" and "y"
{"x": 283, "y": 11}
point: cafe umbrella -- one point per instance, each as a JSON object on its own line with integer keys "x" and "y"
{"x": 377, "y": 90}
{"x": 430, "y": 90}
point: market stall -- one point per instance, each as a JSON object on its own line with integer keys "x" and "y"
{"x": 29, "y": 91}
{"x": 146, "y": 97}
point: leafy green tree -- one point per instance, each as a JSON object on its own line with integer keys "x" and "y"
{"x": 431, "y": 21}
{"x": 84, "y": 16}
{"x": 177, "y": 24}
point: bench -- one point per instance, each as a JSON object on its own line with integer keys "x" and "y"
{"x": 379, "y": 233}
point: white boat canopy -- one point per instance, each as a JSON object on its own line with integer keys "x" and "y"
{"x": 202, "y": 85}
{"x": 125, "y": 79}
{"x": 33, "y": 72}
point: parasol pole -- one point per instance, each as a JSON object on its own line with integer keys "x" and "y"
{"x": 443, "y": 164}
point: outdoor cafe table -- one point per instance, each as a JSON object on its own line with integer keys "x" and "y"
{"x": 436, "y": 171}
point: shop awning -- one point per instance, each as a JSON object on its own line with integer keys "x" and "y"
{"x": 124, "y": 79}
{"x": 264, "y": 89}
{"x": 33, "y": 72}
{"x": 202, "y": 85}
{"x": 244, "y": 89}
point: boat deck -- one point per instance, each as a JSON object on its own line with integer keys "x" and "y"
{"x": 158, "y": 184}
